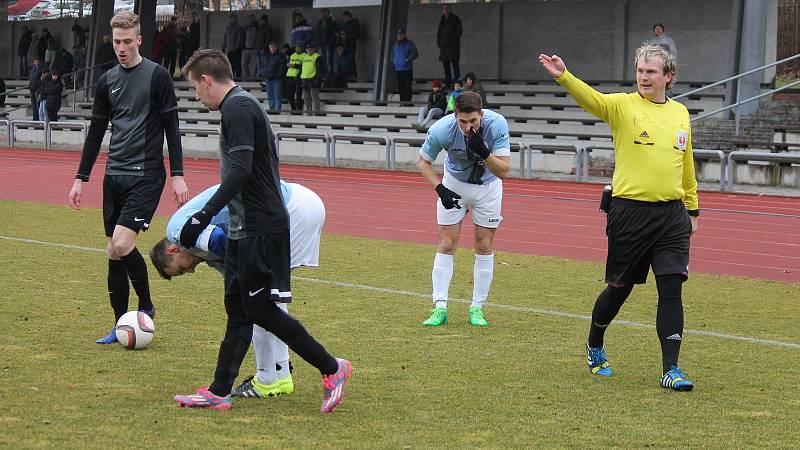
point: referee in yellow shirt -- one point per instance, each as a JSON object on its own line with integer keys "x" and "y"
{"x": 653, "y": 209}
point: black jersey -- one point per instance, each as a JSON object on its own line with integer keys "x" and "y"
{"x": 140, "y": 102}
{"x": 257, "y": 208}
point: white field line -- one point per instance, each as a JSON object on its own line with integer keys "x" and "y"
{"x": 540, "y": 311}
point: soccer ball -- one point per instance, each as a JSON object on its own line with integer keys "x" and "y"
{"x": 135, "y": 330}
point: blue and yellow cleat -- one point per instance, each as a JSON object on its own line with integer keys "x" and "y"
{"x": 676, "y": 380}
{"x": 598, "y": 363}
{"x": 110, "y": 338}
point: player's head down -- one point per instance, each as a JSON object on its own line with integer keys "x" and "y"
{"x": 468, "y": 109}
{"x": 170, "y": 260}
{"x": 655, "y": 69}
{"x": 209, "y": 72}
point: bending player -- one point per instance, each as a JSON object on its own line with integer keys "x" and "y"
{"x": 306, "y": 218}
{"x": 478, "y": 155}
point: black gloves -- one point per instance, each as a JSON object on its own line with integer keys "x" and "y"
{"x": 448, "y": 197}
{"x": 194, "y": 227}
{"x": 477, "y": 145}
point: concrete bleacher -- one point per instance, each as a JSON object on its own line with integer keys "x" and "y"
{"x": 537, "y": 112}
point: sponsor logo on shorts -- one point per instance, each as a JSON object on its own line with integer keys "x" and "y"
{"x": 254, "y": 293}
{"x": 494, "y": 220}
{"x": 136, "y": 219}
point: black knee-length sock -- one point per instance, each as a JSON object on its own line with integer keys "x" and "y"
{"x": 137, "y": 272}
{"x": 118, "y": 287}
{"x": 605, "y": 309}
{"x": 669, "y": 318}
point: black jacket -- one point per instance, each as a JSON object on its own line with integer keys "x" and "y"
{"x": 352, "y": 31}
{"x": 35, "y": 81}
{"x": 326, "y": 32}
{"x": 105, "y": 54}
{"x": 438, "y": 100}
{"x": 51, "y": 92}
{"x": 24, "y": 45}
{"x": 272, "y": 66}
{"x": 448, "y": 38}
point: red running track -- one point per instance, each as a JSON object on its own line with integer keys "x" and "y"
{"x": 746, "y": 235}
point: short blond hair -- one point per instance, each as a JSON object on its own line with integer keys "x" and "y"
{"x": 126, "y": 20}
{"x": 649, "y": 51}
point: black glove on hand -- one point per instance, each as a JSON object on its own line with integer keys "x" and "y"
{"x": 449, "y": 198}
{"x": 194, "y": 227}
{"x": 477, "y": 145}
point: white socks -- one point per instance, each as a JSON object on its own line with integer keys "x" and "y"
{"x": 270, "y": 350}
{"x": 441, "y": 276}
{"x": 482, "y": 273}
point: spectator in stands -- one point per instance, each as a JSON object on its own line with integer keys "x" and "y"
{"x": 403, "y": 55}
{"x": 662, "y": 40}
{"x": 41, "y": 97}
{"x": 451, "y": 99}
{"x": 78, "y": 34}
{"x": 301, "y": 33}
{"x": 105, "y": 54}
{"x": 192, "y": 38}
{"x": 349, "y": 32}
{"x": 34, "y": 85}
{"x": 22, "y": 51}
{"x": 264, "y": 38}
{"x": 44, "y": 39}
{"x": 170, "y": 46}
{"x": 62, "y": 64}
{"x": 50, "y": 53}
{"x": 448, "y": 39}
{"x": 78, "y": 63}
{"x": 471, "y": 84}
{"x": 251, "y": 48}
{"x": 52, "y": 89}
{"x": 326, "y": 36}
{"x": 294, "y": 92}
{"x": 311, "y": 79}
{"x": 157, "y": 50}
{"x": 434, "y": 109}
{"x": 272, "y": 67}
{"x": 33, "y": 49}
{"x": 344, "y": 67}
{"x": 233, "y": 44}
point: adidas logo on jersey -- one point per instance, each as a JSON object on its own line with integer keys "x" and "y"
{"x": 674, "y": 337}
{"x": 644, "y": 135}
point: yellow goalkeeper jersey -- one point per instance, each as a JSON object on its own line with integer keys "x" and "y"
{"x": 652, "y": 143}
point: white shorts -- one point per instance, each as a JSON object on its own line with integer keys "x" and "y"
{"x": 484, "y": 200}
{"x": 306, "y": 218}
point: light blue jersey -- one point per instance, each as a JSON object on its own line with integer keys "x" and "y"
{"x": 445, "y": 135}
{"x": 212, "y": 241}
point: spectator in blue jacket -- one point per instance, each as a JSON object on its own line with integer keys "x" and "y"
{"x": 272, "y": 67}
{"x": 302, "y": 33}
{"x": 403, "y": 55}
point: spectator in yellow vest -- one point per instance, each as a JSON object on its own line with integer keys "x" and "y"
{"x": 310, "y": 79}
{"x": 294, "y": 91}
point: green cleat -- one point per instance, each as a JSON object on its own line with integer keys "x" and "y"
{"x": 438, "y": 318}
{"x": 251, "y": 387}
{"x": 476, "y": 317}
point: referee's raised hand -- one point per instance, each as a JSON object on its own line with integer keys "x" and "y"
{"x": 554, "y": 65}
{"x": 448, "y": 197}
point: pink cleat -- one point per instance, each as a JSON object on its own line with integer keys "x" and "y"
{"x": 205, "y": 399}
{"x": 333, "y": 385}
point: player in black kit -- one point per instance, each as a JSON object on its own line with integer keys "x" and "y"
{"x": 138, "y": 97}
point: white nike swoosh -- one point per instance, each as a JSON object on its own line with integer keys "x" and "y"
{"x": 253, "y": 294}
{"x": 115, "y": 90}
{"x": 136, "y": 219}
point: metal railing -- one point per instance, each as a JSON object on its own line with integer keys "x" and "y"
{"x": 740, "y": 155}
{"x": 324, "y": 137}
{"x": 549, "y": 147}
{"x": 7, "y": 125}
{"x": 361, "y": 138}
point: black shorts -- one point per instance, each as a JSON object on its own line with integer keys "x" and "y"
{"x": 257, "y": 269}
{"x": 645, "y": 234}
{"x": 130, "y": 201}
